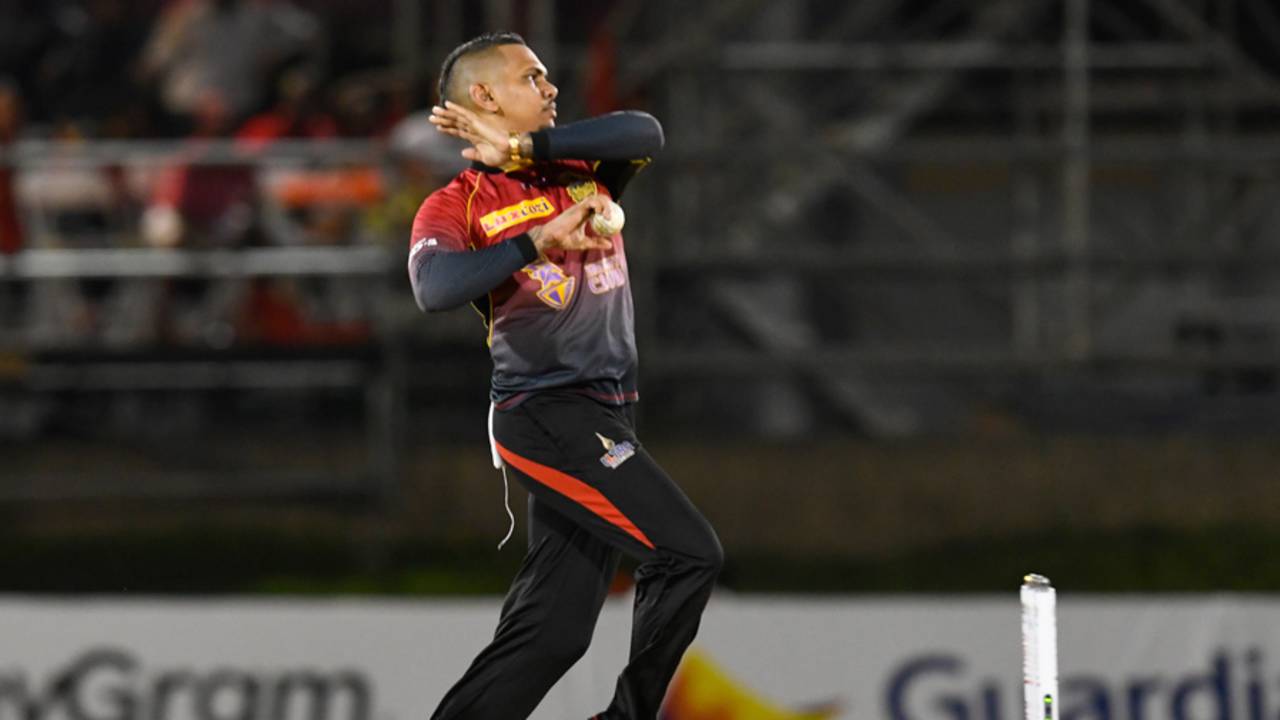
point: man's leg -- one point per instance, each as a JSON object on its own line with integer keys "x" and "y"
{"x": 547, "y": 621}
{"x": 672, "y": 589}
{"x": 574, "y": 459}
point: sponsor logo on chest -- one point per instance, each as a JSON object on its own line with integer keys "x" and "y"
{"x": 607, "y": 273}
{"x": 499, "y": 220}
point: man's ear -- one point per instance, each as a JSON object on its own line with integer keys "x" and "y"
{"x": 482, "y": 97}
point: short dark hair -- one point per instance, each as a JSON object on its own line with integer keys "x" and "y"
{"x": 474, "y": 45}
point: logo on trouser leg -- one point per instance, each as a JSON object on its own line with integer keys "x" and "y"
{"x": 615, "y": 453}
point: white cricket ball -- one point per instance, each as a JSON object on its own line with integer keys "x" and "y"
{"x": 610, "y": 222}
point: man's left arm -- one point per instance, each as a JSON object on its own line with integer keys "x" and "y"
{"x": 623, "y": 135}
{"x": 622, "y": 144}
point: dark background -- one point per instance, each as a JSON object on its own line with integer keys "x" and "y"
{"x": 929, "y": 294}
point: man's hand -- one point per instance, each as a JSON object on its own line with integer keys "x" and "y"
{"x": 489, "y": 143}
{"x": 568, "y": 230}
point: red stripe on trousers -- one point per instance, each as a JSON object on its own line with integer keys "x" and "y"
{"x": 576, "y": 490}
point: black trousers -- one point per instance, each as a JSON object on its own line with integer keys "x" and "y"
{"x": 593, "y": 493}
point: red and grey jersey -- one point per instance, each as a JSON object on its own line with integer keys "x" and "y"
{"x": 561, "y": 320}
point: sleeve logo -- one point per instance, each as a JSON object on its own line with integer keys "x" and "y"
{"x": 499, "y": 220}
{"x": 420, "y": 247}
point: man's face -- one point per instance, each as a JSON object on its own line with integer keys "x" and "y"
{"x": 525, "y": 96}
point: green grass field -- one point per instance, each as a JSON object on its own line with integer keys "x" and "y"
{"x": 256, "y": 561}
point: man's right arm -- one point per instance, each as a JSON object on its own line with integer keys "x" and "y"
{"x": 446, "y": 275}
{"x": 444, "y": 268}
{"x": 443, "y": 280}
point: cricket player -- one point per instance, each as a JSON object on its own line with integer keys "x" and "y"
{"x": 511, "y": 235}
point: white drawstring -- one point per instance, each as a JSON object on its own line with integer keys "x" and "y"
{"x": 493, "y": 442}
{"x": 506, "y": 486}
{"x": 506, "y": 502}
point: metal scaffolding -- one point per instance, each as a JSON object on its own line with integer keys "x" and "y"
{"x": 928, "y": 213}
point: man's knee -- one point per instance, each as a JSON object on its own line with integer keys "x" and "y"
{"x": 708, "y": 558}
{"x": 714, "y": 555}
{"x": 698, "y": 559}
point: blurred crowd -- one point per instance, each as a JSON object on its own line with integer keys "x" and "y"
{"x": 170, "y": 68}
{"x": 215, "y": 89}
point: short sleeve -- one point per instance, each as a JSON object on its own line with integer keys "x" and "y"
{"x": 439, "y": 226}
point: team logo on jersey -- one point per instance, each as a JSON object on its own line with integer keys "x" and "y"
{"x": 582, "y": 189}
{"x": 615, "y": 453}
{"x": 499, "y": 220}
{"x": 556, "y": 287}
